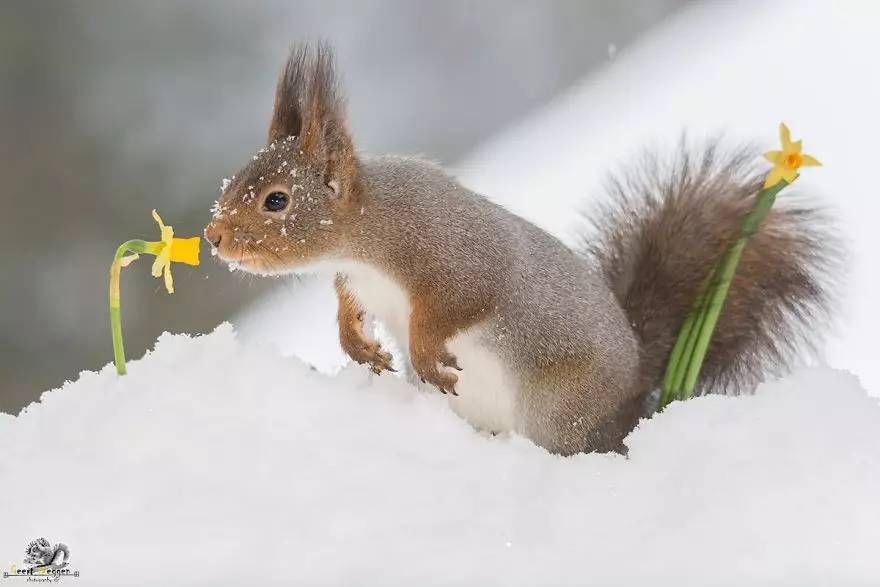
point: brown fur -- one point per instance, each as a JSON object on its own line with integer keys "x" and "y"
{"x": 308, "y": 104}
{"x": 432, "y": 323}
{"x": 352, "y": 338}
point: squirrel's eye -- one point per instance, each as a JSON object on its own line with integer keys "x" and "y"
{"x": 275, "y": 202}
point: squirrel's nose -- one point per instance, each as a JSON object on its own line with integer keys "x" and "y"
{"x": 213, "y": 235}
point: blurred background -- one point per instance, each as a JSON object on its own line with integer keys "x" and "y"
{"x": 110, "y": 108}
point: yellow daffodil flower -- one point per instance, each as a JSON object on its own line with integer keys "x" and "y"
{"x": 787, "y": 161}
{"x": 167, "y": 250}
{"x": 178, "y": 250}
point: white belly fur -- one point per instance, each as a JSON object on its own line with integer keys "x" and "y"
{"x": 486, "y": 393}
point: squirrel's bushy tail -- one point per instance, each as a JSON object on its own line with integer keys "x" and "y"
{"x": 661, "y": 233}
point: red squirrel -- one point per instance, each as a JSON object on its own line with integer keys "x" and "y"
{"x": 564, "y": 346}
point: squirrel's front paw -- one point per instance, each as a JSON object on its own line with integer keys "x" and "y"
{"x": 428, "y": 372}
{"x": 445, "y": 382}
{"x": 373, "y": 355}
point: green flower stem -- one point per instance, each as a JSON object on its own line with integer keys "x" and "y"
{"x": 689, "y": 352}
{"x": 132, "y": 246}
{"x": 685, "y": 343}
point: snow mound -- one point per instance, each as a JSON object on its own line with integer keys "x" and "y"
{"x": 216, "y": 462}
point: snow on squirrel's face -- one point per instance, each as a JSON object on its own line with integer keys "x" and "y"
{"x": 276, "y": 213}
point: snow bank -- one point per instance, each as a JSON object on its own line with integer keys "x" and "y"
{"x": 217, "y": 462}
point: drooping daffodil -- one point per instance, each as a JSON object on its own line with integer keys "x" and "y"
{"x": 167, "y": 250}
{"x": 787, "y": 161}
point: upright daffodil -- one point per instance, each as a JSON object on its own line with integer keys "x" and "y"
{"x": 686, "y": 358}
{"x": 787, "y": 161}
{"x": 167, "y": 250}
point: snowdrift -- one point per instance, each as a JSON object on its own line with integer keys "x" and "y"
{"x": 218, "y": 462}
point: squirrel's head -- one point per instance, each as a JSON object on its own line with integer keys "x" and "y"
{"x": 287, "y": 207}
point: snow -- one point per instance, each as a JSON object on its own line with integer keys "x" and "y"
{"x": 219, "y": 462}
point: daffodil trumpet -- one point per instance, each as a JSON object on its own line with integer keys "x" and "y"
{"x": 167, "y": 250}
{"x": 689, "y": 351}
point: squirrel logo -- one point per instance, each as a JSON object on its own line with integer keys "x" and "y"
{"x": 42, "y": 555}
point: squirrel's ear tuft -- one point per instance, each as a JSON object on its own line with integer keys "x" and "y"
{"x": 290, "y": 95}
{"x": 324, "y": 135}
{"x": 309, "y": 105}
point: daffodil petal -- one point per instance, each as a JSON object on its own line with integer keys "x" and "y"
{"x": 169, "y": 282}
{"x": 162, "y": 260}
{"x": 784, "y": 136}
{"x": 186, "y": 250}
{"x": 795, "y": 147}
{"x": 773, "y": 156}
{"x": 774, "y": 177}
{"x": 167, "y": 232}
{"x": 810, "y": 161}
{"x": 789, "y": 175}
